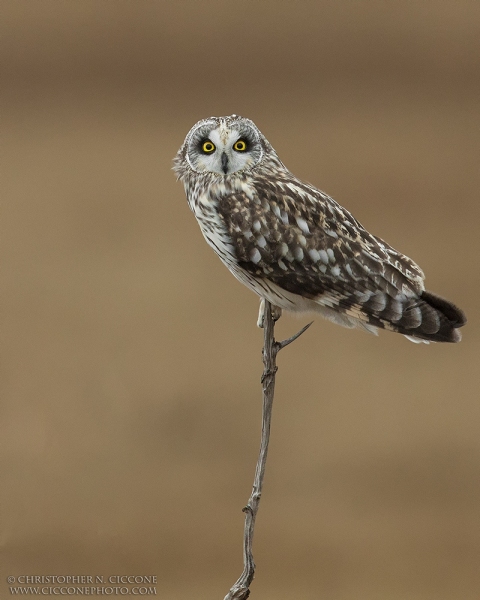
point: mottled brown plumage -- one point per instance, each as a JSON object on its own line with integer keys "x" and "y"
{"x": 295, "y": 246}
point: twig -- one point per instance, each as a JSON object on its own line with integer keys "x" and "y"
{"x": 240, "y": 589}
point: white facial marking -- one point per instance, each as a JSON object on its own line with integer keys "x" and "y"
{"x": 223, "y": 159}
{"x": 224, "y": 133}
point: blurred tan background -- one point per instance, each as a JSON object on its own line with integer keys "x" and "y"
{"x": 131, "y": 402}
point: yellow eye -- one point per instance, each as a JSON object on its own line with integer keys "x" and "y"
{"x": 208, "y": 147}
{"x": 240, "y": 145}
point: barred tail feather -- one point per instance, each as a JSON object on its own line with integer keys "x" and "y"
{"x": 448, "y": 316}
{"x": 425, "y": 317}
{"x": 437, "y": 320}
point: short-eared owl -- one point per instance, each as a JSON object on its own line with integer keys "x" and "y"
{"x": 295, "y": 246}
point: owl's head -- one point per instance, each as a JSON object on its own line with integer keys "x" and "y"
{"x": 222, "y": 145}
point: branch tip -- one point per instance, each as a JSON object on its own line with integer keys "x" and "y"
{"x": 281, "y": 345}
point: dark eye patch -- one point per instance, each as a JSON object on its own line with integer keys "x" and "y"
{"x": 241, "y": 145}
{"x": 206, "y": 146}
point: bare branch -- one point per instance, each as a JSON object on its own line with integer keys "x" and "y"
{"x": 241, "y": 588}
{"x": 293, "y": 338}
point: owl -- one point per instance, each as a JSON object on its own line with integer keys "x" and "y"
{"x": 294, "y": 246}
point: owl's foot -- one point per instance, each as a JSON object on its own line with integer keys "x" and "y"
{"x": 276, "y": 313}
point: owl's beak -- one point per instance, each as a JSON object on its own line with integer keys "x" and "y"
{"x": 224, "y": 163}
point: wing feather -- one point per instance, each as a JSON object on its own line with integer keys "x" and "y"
{"x": 308, "y": 244}
{"x": 295, "y": 236}
{"x": 299, "y": 238}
